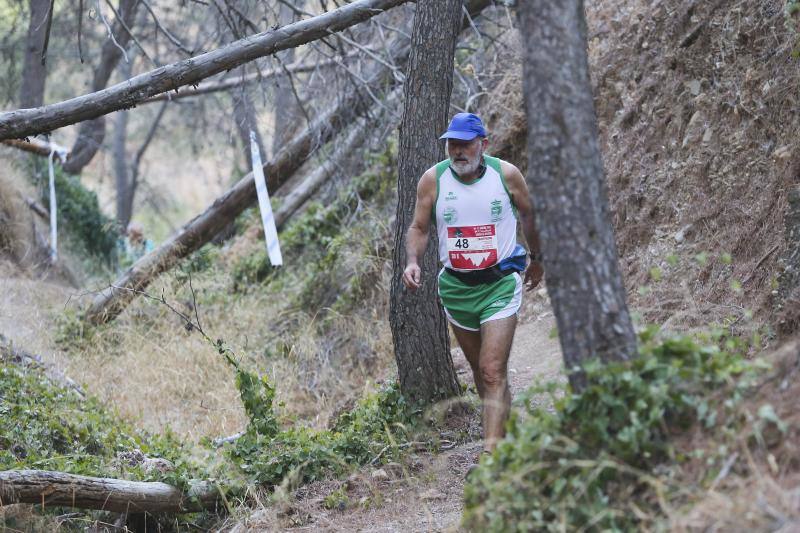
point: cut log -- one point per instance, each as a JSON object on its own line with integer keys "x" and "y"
{"x": 24, "y": 122}
{"x": 57, "y": 489}
{"x": 110, "y": 302}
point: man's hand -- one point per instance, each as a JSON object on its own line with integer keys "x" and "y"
{"x": 533, "y": 275}
{"x": 412, "y": 276}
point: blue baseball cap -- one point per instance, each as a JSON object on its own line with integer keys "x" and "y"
{"x": 465, "y": 127}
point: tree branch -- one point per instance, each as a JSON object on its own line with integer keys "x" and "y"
{"x": 19, "y": 123}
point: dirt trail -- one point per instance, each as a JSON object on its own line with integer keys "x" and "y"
{"x": 430, "y": 497}
{"x": 28, "y": 308}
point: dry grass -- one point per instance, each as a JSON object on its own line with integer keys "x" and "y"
{"x": 17, "y": 240}
{"x": 156, "y": 373}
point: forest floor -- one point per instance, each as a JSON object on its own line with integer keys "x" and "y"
{"x": 429, "y": 498}
{"x": 425, "y": 495}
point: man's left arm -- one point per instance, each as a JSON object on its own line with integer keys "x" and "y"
{"x": 521, "y": 198}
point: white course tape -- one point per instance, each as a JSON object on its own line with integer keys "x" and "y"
{"x": 53, "y": 221}
{"x": 267, "y": 218}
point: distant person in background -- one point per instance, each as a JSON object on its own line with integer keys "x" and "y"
{"x": 134, "y": 245}
{"x": 476, "y": 203}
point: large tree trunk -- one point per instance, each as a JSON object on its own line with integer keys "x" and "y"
{"x": 34, "y": 72}
{"x": 57, "y": 489}
{"x": 91, "y": 133}
{"x": 24, "y": 122}
{"x": 419, "y": 327}
{"x": 567, "y": 184}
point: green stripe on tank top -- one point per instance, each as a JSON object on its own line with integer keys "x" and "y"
{"x": 441, "y": 167}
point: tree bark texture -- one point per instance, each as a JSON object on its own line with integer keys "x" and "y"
{"x": 91, "y": 133}
{"x": 200, "y": 230}
{"x": 57, "y": 489}
{"x": 34, "y": 73}
{"x": 287, "y": 114}
{"x": 24, "y": 122}
{"x": 568, "y": 189}
{"x": 419, "y": 327}
{"x": 244, "y": 115}
{"x": 121, "y": 169}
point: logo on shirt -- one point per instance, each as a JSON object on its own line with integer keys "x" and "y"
{"x": 451, "y": 196}
{"x": 450, "y": 215}
{"x": 496, "y": 210}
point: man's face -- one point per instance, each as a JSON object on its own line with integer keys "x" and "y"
{"x": 465, "y": 156}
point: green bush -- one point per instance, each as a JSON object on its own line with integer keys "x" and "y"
{"x": 312, "y": 240}
{"x": 48, "y": 427}
{"x": 79, "y": 215}
{"x": 368, "y": 433}
{"x": 583, "y": 466}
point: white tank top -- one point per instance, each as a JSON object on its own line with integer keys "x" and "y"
{"x": 476, "y": 222}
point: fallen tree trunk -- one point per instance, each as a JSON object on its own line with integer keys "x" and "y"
{"x": 23, "y": 122}
{"x": 300, "y": 194}
{"x": 57, "y": 489}
{"x": 110, "y": 302}
{"x": 200, "y": 230}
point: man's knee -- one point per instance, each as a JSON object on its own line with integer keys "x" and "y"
{"x": 493, "y": 373}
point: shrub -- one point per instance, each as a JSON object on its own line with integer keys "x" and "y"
{"x": 577, "y": 468}
{"x": 79, "y": 215}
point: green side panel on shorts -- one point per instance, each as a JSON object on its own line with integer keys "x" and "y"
{"x": 441, "y": 166}
{"x": 469, "y": 304}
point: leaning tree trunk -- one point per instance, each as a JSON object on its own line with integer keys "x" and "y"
{"x": 419, "y": 327}
{"x": 567, "y": 184}
{"x": 58, "y": 489}
{"x": 24, "y": 122}
{"x": 34, "y": 73}
{"x": 91, "y": 133}
{"x": 198, "y": 231}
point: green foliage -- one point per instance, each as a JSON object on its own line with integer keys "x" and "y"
{"x": 79, "y": 215}
{"x": 367, "y": 433}
{"x": 577, "y": 468}
{"x": 314, "y": 241}
{"x": 48, "y": 427}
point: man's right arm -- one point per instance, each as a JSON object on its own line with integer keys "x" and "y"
{"x": 417, "y": 236}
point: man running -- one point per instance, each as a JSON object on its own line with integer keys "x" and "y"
{"x": 475, "y": 201}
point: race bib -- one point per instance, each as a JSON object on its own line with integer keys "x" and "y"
{"x": 472, "y": 247}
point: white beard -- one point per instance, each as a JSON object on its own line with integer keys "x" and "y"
{"x": 468, "y": 167}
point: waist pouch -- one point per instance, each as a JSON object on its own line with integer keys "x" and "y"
{"x": 509, "y": 265}
{"x": 479, "y": 277}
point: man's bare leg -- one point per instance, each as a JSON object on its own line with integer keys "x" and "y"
{"x": 470, "y": 343}
{"x": 496, "y": 338}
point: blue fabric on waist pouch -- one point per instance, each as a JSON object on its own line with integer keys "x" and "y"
{"x": 516, "y": 261}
